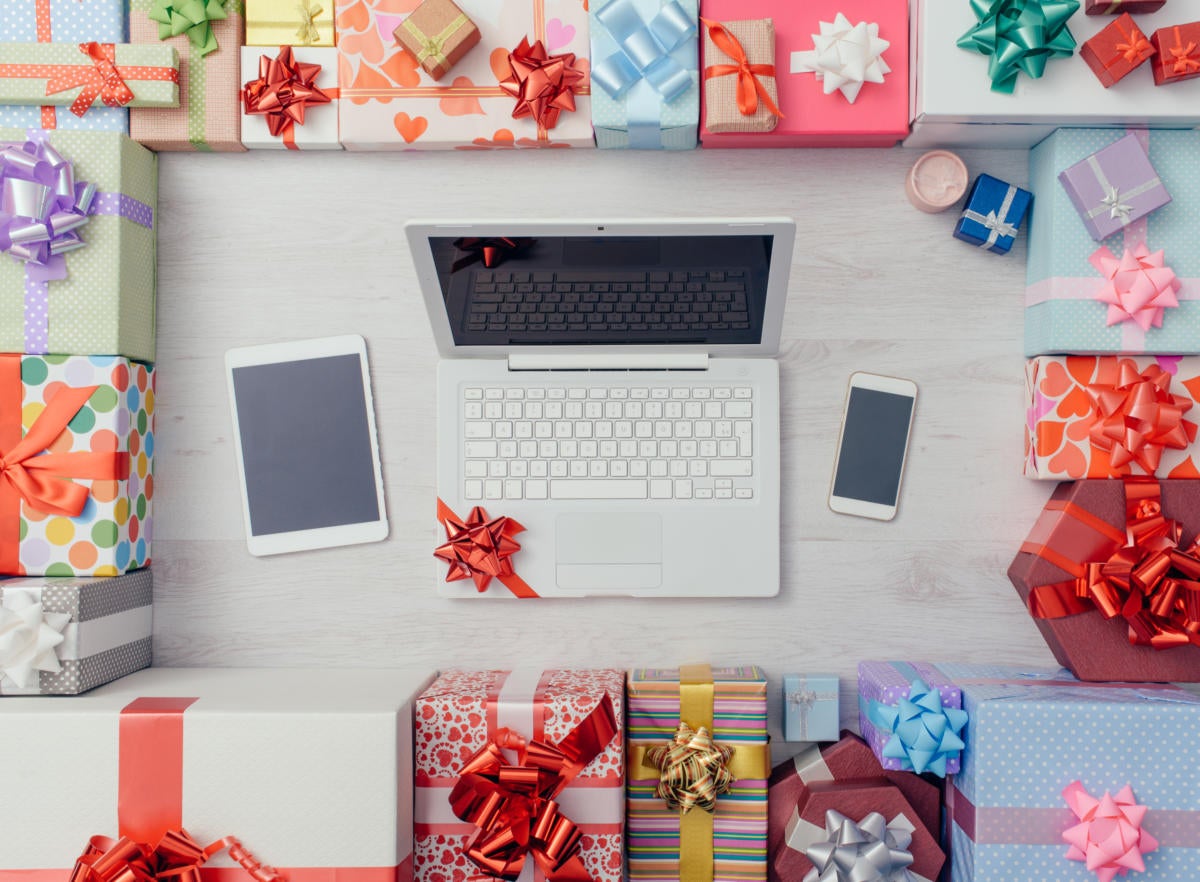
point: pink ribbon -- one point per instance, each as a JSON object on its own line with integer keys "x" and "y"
{"x": 1109, "y": 836}
{"x": 1140, "y": 286}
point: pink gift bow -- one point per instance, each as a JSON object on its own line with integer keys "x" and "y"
{"x": 1109, "y": 835}
{"x": 1140, "y": 287}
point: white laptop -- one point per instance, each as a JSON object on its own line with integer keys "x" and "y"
{"x": 612, "y": 386}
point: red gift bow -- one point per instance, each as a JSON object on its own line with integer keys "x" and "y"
{"x": 514, "y": 805}
{"x": 1184, "y": 63}
{"x": 1150, "y": 581}
{"x": 30, "y": 473}
{"x": 492, "y": 250}
{"x": 103, "y": 79}
{"x": 177, "y": 857}
{"x": 1135, "y": 43}
{"x": 543, "y": 85}
{"x": 481, "y": 548}
{"x": 284, "y": 90}
{"x": 1137, "y": 417}
{"x": 749, "y": 87}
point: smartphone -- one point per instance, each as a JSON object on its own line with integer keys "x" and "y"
{"x": 873, "y": 446}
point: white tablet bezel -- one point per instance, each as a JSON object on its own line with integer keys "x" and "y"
{"x": 321, "y": 537}
{"x": 861, "y": 507}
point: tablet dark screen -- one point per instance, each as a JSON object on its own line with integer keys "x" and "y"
{"x": 306, "y": 444}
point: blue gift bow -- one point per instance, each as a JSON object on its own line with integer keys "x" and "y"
{"x": 644, "y": 66}
{"x": 924, "y": 734}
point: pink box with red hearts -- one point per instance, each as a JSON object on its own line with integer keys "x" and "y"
{"x": 389, "y": 103}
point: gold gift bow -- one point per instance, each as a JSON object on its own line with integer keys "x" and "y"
{"x": 307, "y": 33}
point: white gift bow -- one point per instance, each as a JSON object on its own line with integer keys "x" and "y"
{"x": 844, "y": 56}
{"x": 1112, "y": 201}
{"x": 29, "y": 637}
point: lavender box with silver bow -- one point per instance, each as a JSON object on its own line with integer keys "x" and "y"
{"x": 1114, "y": 187}
{"x": 63, "y": 636}
{"x": 911, "y": 716}
{"x": 810, "y": 707}
{"x": 992, "y": 217}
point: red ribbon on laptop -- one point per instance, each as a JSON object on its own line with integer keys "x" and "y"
{"x": 481, "y": 548}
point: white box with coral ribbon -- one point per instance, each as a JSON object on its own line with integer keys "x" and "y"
{"x": 320, "y": 129}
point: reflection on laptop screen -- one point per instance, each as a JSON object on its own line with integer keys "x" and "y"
{"x": 572, "y": 290}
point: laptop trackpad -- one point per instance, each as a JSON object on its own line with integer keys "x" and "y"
{"x": 609, "y": 552}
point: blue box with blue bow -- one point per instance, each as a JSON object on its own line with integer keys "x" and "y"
{"x": 1063, "y": 781}
{"x": 810, "y": 707}
{"x": 645, "y": 76}
{"x": 910, "y": 714}
{"x": 992, "y": 217}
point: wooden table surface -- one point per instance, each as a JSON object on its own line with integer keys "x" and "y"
{"x": 265, "y": 247}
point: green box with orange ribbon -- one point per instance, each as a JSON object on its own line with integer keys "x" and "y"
{"x": 83, "y": 75}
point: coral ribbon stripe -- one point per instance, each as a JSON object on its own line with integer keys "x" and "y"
{"x": 41, "y": 12}
{"x": 96, "y": 78}
{"x": 150, "y": 771}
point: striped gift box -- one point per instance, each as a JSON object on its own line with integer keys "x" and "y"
{"x": 739, "y": 825}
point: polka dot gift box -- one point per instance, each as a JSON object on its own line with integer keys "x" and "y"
{"x": 77, "y": 435}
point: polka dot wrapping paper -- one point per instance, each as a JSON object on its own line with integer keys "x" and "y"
{"x": 28, "y": 70}
{"x": 112, "y": 534}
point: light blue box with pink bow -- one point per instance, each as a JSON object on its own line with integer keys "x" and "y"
{"x": 1053, "y": 767}
{"x": 1138, "y": 291}
{"x": 645, "y": 73}
{"x": 69, "y": 21}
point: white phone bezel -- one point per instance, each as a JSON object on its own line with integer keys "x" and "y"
{"x": 321, "y": 537}
{"x": 880, "y": 383}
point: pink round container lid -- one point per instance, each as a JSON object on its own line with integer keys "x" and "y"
{"x": 937, "y": 180}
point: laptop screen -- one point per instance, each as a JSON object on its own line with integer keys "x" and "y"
{"x": 605, "y": 290}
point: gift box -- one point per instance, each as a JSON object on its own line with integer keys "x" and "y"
{"x": 276, "y": 23}
{"x": 813, "y": 115}
{"x": 848, "y": 759}
{"x": 911, "y": 715}
{"x": 570, "y": 721}
{"x": 1076, "y": 298}
{"x": 308, "y": 771}
{"x": 1104, "y": 416}
{"x": 1117, "y": 50}
{"x": 1088, "y": 618}
{"x": 667, "y": 708}
{"x": 810, "y": 707}
{"x": 76, "y": 76}
{"x": 89, "y": 512}
{"x": 66, "y": 636}
{"x": 299, "y": 84}
{"x": 389, "y": 103}
{"x": 96, "y": 294}
{"x": 437, "y": 34}
{"x": 1116, "y": 7}
{"x": 840, "y": 826}
{"x": 1114, "y": 187}
{"x": 953, "y": 103}
{"x": 1178, "y": 55}
{"x": 646, "y": 71}
{"x": 210, "y": 83}
{"x": 70, "y": 22}
{"x": 1012, "y": 811}
{"x": 993, "y": 214}
{"x": 731, "y": 102}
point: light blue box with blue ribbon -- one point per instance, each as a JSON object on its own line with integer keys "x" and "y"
{"x": 70, "y": 21}
{"x": 645, "y": 73}
{"x": 1062, "y": 311}
{"x": 811, "y": 709}
{"x": 1031, "y": 734}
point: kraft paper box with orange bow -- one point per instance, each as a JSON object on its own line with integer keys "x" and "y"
{"x": 296, "y": 775}
{"x": 526, "y": 756}
{"x": 389, "y": 103}
{"x": 685, "y": 720}
{"x": 290, "y": 98}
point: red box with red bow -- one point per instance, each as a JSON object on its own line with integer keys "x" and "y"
{"x": 1110, "y": 573}
{"x": 1117, "y": 50}
{"x": 1178, "y": 50}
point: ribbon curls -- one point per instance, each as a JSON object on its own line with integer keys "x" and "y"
{"x": 177, "y": 857}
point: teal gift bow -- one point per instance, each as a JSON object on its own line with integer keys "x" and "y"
{"x": 1019, "y": 36}
{"x": 645, "y": 50}
{"x": 924, "y": 734}
{"x": 191, "y": 17}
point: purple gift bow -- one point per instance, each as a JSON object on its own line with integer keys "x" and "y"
{"x": 803, "y": 699}
{"x": 995, "y": 221}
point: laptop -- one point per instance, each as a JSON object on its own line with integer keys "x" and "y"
{"x": 612, "y": 388}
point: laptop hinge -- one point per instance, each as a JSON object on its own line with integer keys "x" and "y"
{"x": 616, "y": 361}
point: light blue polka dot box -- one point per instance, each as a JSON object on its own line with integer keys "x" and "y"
{"x": 1056, "y": 773}
{"x": 645, "y": 77}
{"x": 1138, "y": 291}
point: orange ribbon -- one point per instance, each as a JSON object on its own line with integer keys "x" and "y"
{"x": 514, "y": 806}
{"x": 1149, "y": 580}
{"x": 103, "y": 79}
{"x": 749, "y": 87}
{"x": 1135, "y": 43}
{"x": 284, "y": 90}
{"x": 481, "y": 548}
{"x": 1184, "y": 63}
{"x": 31, "y": 474}
{"x": 176, "y": 857}
{"x": 1137, "y": 417}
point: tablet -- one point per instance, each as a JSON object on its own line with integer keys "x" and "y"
{"x": 307, "y": 451}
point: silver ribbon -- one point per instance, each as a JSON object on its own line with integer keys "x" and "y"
{"x": 869, "y": 851}
{"x": 803, "y": 699}
{"x": 996, "y": 221}
{"x": 1114, "y": 199}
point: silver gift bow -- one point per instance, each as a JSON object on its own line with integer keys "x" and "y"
{"x": 869, "y": 851}
{"x": 996, "y": 221}
{"x": 803, "y": 700}
{"x": 1113, "y": 201}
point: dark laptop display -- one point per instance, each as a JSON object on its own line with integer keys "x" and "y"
{"x": 573, "y": 290}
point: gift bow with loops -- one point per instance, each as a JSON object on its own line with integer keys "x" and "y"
{"x": 102, "y": 79}
{"x": 1135, "y": 43}
{"x": 1184, "y": 62}
{"x": 191, "y": 17}
{"x": 307, "y": 33}
{"x": 694, "y": 770}
{"x": 1109, "y": 836}
{"x": 1019, "y": 36}
{"x": 924, "y": 735}
{"x": 749, "y": 86}
{"x": 176, "y": 857}
{"x": 644, "y": 49}
{"x": 869, "y": 851}
{"x": 1136, "y": 417}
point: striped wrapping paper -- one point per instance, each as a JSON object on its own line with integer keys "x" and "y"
{"x": 740, "y": 821}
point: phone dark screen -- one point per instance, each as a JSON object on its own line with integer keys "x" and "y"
{"x": 873, "y": 443}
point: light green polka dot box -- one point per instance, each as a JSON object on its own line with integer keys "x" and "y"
{"x": 77, "y": 272}
{"x": 77, "y": 435}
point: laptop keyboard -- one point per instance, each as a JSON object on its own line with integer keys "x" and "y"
{"x": 625, "y": 301}
{"x": 608, "y": 442}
